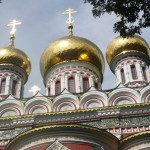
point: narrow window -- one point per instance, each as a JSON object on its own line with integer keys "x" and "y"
{"x": 122, "y": 76}
{"x": 144, "y": 73}
{"x": 3, "y": 84}
{"x": 71, "y": 84}
{"x": 96, "y": 85}
{"x": 14, "y": 87}
{"x": 49, "y": 91}
{"x": 133, "y": 72}
{"x": 57, "y": 87}
{"x": 85, "y": 84}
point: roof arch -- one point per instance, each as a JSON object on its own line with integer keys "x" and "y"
{"x": 65, "y": 102}
{"x": 38, "y": 104}
{"x": 145, "y": 94}
{"x": 93, "y": 99}
{"x": 123, "y": 96}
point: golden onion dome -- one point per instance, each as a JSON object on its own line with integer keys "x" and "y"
{"x": 71, "y": 48}
{"x": 122, "y": 45}
{"x": 15, "y": 57}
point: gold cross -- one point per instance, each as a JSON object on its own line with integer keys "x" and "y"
{"x": 70, "y": 18}
{"x": 34, "y": 89}
{"x": 13, "y": 24}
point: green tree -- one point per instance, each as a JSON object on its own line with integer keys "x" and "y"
{"x": 134, "y": 14}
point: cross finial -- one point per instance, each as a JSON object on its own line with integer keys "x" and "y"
{"x": 12, "y": 32}
{"x": 34, "y": 89}
{"x": 70, "y": 19}
{"x": 13, "y": 24}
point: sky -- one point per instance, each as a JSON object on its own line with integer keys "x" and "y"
{"x": 43, "y": 23}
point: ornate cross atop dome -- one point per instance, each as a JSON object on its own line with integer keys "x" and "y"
{"x": 70, "y": 19}
{"x": 34, "y": 89}
{"x": 13, "y": 24}
{"x": 12, "y": 32}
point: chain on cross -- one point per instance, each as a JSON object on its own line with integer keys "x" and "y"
{"x": 13, "y": 24}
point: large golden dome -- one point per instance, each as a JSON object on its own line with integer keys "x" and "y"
{"x": 71, "y": 48}
{"x": 122, "y": 45}
{"x": 15, "y": 57}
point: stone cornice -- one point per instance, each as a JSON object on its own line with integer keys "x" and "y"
{"x": 76, "y": 116}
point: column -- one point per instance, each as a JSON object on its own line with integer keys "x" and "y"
{"x": 52, "y": 87}
{"x": 78, "y": 82}
{"x": 8, "y": 85}
{"x": 18, "y": 90}
{"x": 127, "y": 70}
{"x": 139, "y": 71}
{"x": 63, "y": 82}
{"x": 147, "y": 73}
{"x": 91, "y": 81}
{"x": 118, "y": 75}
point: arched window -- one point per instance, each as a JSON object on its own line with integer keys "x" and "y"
{"x": 57, "y": 87}
{"x": 122, "y": 76}
{"x": 3, "y": 84}
{"x": 14, "y": 87}
{"x": 71, "y": 84}
{"x": 85, "y": 84}
{"x": 96, "y": 85}
{"x": 133, "y": 72}
{"x": 144, "y": 73}
{"x": 49, "y": 91}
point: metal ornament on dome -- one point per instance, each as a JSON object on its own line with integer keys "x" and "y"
{"x": 12, "y": 32}
{"x": 70, "y": 19}
{"x": 34, "y": 89}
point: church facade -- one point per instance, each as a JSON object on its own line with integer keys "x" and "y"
{"x": 75, "y": 113}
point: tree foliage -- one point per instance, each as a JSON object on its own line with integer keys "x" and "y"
{"x": 134, "y": 14}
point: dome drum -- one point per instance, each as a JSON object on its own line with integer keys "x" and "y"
{"x": 131, "y": 54}
{"x": 14, "y": 70}
{"x": 83, "y": 66}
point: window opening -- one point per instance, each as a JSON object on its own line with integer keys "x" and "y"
{"x": 3, "y": 84}
{"x": 133, "y": 72}
{"x": 85, "y": 84}
{"x": 57, "y": 87}
{"x": 122, "y": 76}
{"x": 71, "y": 84}
{"x": 14, "y": 87}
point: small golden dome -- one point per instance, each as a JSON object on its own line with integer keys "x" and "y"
{"x": 13, "y": 56}
{"x": 71, "y": 48}
{"x": 122, "y": 45}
